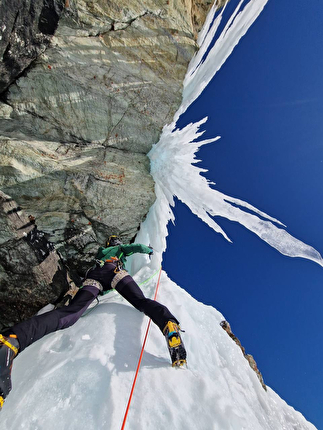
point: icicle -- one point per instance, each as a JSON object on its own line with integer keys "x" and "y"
{"x": 173, "y": 157}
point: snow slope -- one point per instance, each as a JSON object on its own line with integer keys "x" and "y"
{"x": 81, "y": 378}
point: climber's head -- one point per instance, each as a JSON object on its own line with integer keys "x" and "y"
{"x": 113, "y": 241}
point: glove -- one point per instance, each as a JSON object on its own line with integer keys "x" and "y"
{"x": 151, "y": 251}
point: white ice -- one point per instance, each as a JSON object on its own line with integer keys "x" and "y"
{"x": 81, "y": 378}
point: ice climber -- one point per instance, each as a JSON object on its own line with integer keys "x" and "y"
{"x": 107, "y": 273}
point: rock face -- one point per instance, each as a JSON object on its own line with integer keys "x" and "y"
{"x": 31, "y": 271}
{"x": 86, "y": 87}
{"x": 26, "y": 30}
{"x": 252, "y": 362}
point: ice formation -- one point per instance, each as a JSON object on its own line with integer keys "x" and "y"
{"x": 174, "y": 156}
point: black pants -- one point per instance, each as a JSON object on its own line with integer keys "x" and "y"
{"x": 38, "y": 326}
{"x": 154, "y": 310}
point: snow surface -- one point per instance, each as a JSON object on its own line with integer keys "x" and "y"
{"x": 81, "y": 377}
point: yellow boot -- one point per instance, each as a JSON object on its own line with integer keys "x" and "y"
{"x": 175, "y": 344}
{"x": 9, "y": 347}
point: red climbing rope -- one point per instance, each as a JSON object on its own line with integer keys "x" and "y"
{"x": 139, "y": 361}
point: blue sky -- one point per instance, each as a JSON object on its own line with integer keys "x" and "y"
{"x": 266, "y": 103}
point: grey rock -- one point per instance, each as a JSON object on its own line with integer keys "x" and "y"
{"x": 88, "y": 87}
{"x": 31, "y": 271}
{"x": 26, "y": 29}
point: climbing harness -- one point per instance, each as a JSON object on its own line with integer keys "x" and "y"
{"x": 92, "y": 283}
{"x": 114, "y": 260}
{"x": 140, "y": 358}
{"x": 88, "y": 311}
{"x": 118, "y": 277}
